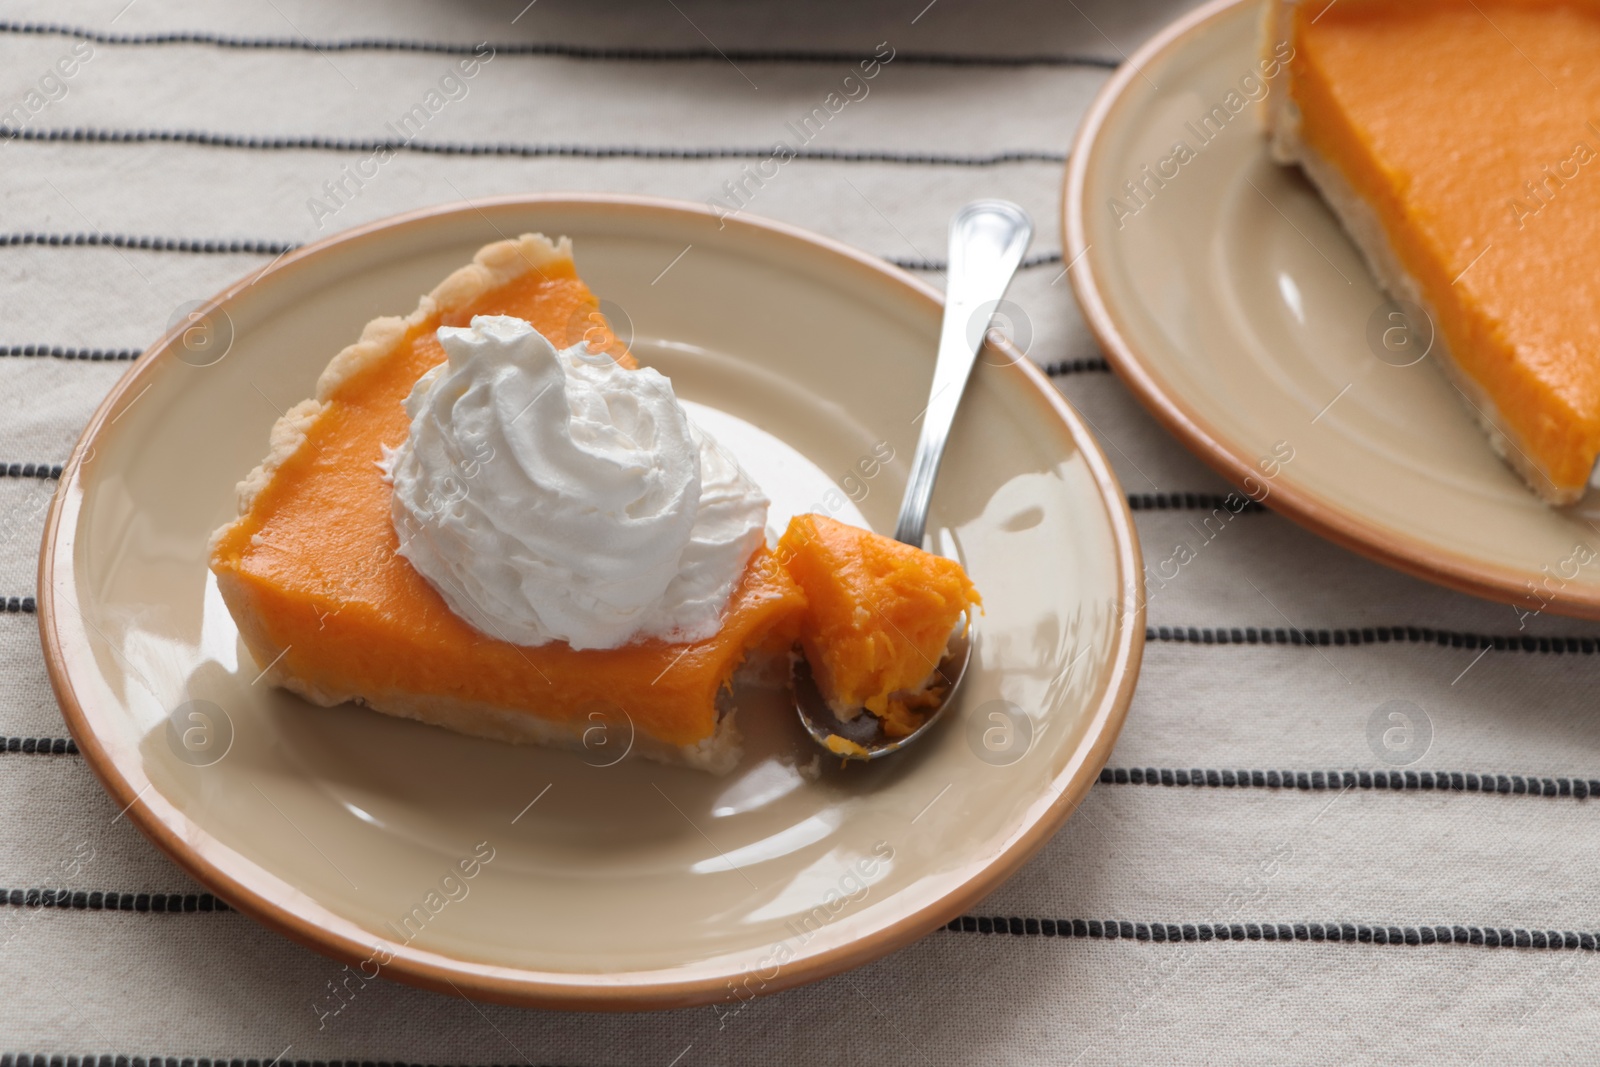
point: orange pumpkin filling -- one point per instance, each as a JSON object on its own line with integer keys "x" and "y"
{"x": 879, "y": 614}
{"x": 1471, "y": 131}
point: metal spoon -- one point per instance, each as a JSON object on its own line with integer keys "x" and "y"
{"x": 987, "y": 239}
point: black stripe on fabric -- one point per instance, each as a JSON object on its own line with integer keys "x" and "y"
{"x": 39, "y": 746}
{"x": 1490, "y": 937}
{"x": 1358, "y": 933}
{"x": 1395, "y": 781}
{"x": 102, "y": 900}
{"x": 1063, "y": 367}
{"x": 90, "y": 355}
{"x": 315, "y": 142}
{"x": 16, "y": 605}
{"x": 1136, "y": 501}
{"x": 1043, "y": 259}
{"x": 1391, "y": 780}
{"x": 30, "y": 470}
{"x": 1057, "y": 369}
{"x": 551, "y": 49}
{"x": 226, "y": 246}
{"x": 149, "y": 244}
{"x": 1371, "y": 635}
{"x": 1233, "y": 502}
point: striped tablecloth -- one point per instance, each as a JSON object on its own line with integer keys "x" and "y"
{"x": 1272, "y": 868}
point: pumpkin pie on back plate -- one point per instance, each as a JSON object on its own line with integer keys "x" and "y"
{"x": 1457, "y": 142}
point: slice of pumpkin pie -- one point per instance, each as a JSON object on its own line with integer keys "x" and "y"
{"x": 1458, "y": 141}
{"x": 486, "y": 520}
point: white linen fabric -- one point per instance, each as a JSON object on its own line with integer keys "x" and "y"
{"x": 1278, "y": 890}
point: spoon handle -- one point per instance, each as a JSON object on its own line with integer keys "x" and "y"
{"x": 987, "y": 239}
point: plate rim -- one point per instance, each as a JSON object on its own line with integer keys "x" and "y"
{"x": 1320, "y": 514}
{"x": 254, "y": 890}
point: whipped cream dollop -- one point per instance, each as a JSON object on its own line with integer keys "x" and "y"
{"x": 555, "y": 496}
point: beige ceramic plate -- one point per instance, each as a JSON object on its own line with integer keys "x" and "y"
{"x": 1231, "y": 302}
{"x": 609, "y": 884}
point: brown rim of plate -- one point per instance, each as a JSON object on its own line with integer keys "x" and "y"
{"x": 1316, "y": 513}
{"x": 259, "y": 894}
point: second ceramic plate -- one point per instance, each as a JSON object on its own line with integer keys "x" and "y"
{"x": 575, "y": 879}
{"x": 1229, "y": 299}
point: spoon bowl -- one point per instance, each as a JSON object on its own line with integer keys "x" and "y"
{"x": 863, "y": 737}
